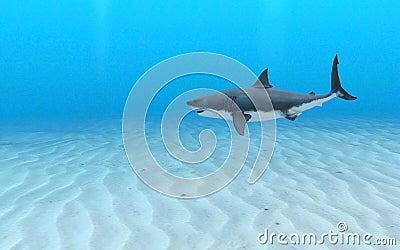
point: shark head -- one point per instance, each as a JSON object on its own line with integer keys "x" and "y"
{"x": 198, "y": 104}
{"x": 211, "y": 102}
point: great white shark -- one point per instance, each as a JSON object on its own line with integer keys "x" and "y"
{"x": 249, "y": 104}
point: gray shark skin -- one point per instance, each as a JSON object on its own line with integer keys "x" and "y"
{"x": 249, "y": 104}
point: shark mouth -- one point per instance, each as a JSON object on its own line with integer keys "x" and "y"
{"x": 198, "y": 110}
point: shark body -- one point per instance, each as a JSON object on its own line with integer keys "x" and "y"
{"x": 249, "y": 104}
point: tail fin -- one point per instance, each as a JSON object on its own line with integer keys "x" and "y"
{"x": 336, "y": 87}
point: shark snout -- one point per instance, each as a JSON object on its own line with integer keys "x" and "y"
{"x": 196, "y": 103}
{"x": 190, "y": 103}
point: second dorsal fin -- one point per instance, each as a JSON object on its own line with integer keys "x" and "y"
{"x": 263, "y": 81}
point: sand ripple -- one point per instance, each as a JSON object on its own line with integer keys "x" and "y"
{"x": 73, "y": 188}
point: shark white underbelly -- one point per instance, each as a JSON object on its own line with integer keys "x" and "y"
{"x": 306, "y": 106}
{"x": 257, "y": 116}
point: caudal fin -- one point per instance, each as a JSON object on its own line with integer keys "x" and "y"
{"x": 336, "y": 87}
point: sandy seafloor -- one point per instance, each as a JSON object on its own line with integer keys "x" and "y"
{"x": 71, "y": 186}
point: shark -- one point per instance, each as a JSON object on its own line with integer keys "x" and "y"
{"x": 242, "y": 105}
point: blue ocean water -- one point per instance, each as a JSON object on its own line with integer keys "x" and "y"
{"x": 76, "y": 60}
{"x": 67, "y": 69}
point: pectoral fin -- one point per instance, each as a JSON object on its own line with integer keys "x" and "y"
{"x": 239, "y": 120}
{"x": 291, "y": 117}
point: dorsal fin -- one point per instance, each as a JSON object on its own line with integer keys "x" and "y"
{"x": 312, "y": 93}
{"x": 263, "y": 81}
